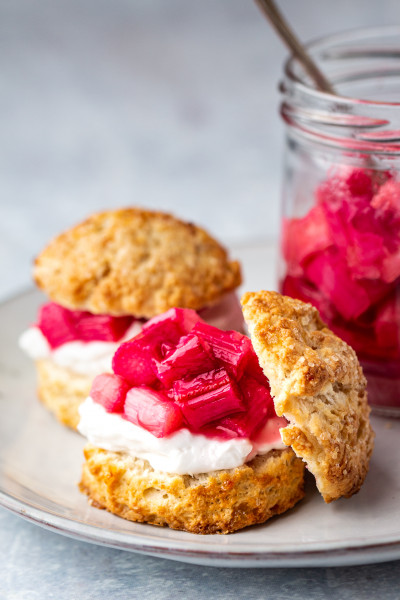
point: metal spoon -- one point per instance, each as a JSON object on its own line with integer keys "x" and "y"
{"x": 270, "y": 10}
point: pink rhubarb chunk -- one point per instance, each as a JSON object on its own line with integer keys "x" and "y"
{"x": 260, "y": 407}
{"x": 152, "y": 411}
{"x": 188, "y": 358}
{"x": 230, "y": 348}
{"x": 105, "y": 328}
{"x": 60, "y": 325}
{"x": 110, "y": 391}
{"x": 134, "y": 360}
{"x": 56, "y": 324}
{"x": 216, "y": 402}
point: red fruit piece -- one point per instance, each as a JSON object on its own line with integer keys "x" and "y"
{"x": 304, "y": 237}
{"x": 329, "y": 273}
{"x": 360, "y": 183}
{"x": 254, "y": 370}
{"x": 184, "y": 389}
{"x": 387, "y": 324}
{"x": 60, "y": 325}
{"x": 387, "y": 201}
{"x": 364, "y": 253}
{"x": 56, "y": 324}
{"x": 153, "y": 411}
{"x": 110, "y": 391}
{"x": 133, "y": 360}
{"x": 106, "y": 328}
{"x": 215, "y": 403}
{"x": 230, "y": 348}
{"x": 188, "y": 358}
{"x": 391, "y": 266}
{"x": 260, "y": 407}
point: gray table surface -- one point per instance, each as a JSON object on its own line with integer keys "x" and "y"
{"x": 38, "y": 564}
{"x": 170, "y": 105}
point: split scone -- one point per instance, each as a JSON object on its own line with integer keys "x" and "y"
{"x": 190, "y": 438}
{"x": 318, "y": 386}
{"x": 105, "y": 278}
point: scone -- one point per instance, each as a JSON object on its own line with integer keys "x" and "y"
{"x": 190, "y": 438}
{"x": 318, "y": 385}
{"x": 105, "y": 278}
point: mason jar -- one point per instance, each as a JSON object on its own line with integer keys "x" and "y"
{"x": 340, "y": 234}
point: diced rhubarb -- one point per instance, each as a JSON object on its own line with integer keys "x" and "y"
{"x": 260, "y": 407}
{"x": 153, "y": 411}
{"x": 230, "y": 348}
{"x": 360, "y": 183}
{"x": 207, "y": 407}
{"x": 106, "y": 328}
{"x": 60, "y": 325}
{"x": 254, "y": 370}
{"x": 184, "y": 389}
{"x": 56, "y": 324}
{"x": 365, "y": 253}
{"x": 387, "y": 324}
{"x": 133, "y": 361}
{"x": 331, "y": 275}
{"x": 391, "y": 266}
{"x": 188, "y": 358}
{"x": 306, "y": 236}
{"x": 387, "y": 201}
{"x": 110, "y": 391}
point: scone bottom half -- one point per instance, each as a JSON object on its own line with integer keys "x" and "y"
{"x": 222, "y": 501}
{"x": 318, "y": 385}
{"x": 180, "y": 376}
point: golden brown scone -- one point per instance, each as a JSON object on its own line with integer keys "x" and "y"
{"x": 216, "y": 502}
{"x": 62, "y": 391}
{"x": 134, "y": 261}
{"x": 318, "y": 385}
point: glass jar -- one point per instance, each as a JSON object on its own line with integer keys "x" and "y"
{"x": 340, "y": 237}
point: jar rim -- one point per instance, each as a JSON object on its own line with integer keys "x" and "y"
{"x": 365, "y": 59}
{"x": 324, "y": 43}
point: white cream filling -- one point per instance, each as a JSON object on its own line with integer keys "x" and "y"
{"x": 182, "y": 452}
{"x": 85, "y": 358}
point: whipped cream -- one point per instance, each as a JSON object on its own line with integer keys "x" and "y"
{"x": 85, "y": 358}
{"x": 182, "y": 452}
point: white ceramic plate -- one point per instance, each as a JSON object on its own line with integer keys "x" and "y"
{"x": 40, "y": 467}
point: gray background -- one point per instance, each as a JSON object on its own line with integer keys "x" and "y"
{"x": 170, "y": 104}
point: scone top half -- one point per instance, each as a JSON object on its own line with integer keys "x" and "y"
{"x": 318, "y": 385}
{"x": 135, "y": 262}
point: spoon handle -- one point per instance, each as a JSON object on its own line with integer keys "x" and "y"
{"x": 270, "y": 10}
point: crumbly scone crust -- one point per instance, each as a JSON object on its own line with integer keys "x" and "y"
{"x": 62, "y": 391}
{"x": 318, "y": 385}
{"x": 215, "y": 502}
{"x": 134, "y": 261}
